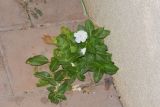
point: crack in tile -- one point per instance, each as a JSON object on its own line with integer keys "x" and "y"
{"x": 6, "y": 69}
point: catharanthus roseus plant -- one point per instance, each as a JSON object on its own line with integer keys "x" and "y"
{"x": 76, "y": 54}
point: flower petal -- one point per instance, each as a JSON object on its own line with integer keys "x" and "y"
{"x": 72, "y": 64}
{"x": 83, "y": 51}
{"x": 80, "y": 36}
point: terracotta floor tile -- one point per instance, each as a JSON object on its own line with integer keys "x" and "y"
{"x": 5, "y": 88}
{"x": 30, "y": 99}
{"x": 19, "y": 45}
{"x": 99, "y": 97}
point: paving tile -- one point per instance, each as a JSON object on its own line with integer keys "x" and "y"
{"x": 17, "y": 84}
{"x": 29, "y": 99}
{"x": 19, "y": 45}
{"x": 59, "y": 10}
{"x": 5, "y": 88}
{"x": 99, "y": 97}
{"x": 13, "y": 16}
{"x": 10, "y": 13}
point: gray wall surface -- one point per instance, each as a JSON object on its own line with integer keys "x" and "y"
{"x": 135, "y": 44}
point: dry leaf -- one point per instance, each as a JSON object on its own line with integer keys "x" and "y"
{"x": 47, "y": 39}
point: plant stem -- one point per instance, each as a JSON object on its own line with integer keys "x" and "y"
{"x": 84, "y": 8}
{"x": 90, "y": 77}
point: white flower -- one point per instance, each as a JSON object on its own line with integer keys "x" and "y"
{"x": 83, "y": 51}
{"x": 80, "y": 36}
{"x": 73, "y": 64}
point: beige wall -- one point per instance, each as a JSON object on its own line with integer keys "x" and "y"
{"x": 135, "y": 44}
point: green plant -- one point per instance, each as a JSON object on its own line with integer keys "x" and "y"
{"x": 76, "y": 54}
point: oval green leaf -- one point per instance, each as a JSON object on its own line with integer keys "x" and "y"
{"x": 59, "y": 75}
{"x": 97, "y": 76}
{"x": 54, "y": 65}
{"x": 110, "y": 68}
{"x": 37, "y": 60}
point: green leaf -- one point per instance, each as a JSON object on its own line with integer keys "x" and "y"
{"x": 37, "y": 60}
{"x": 64, "y": 87}
{"x": 91, "y": 45}
{"x": 110, "y": 68}
{"x": 54, "y": 65}
{"x": 89, "y": 26}
{"x": 64, "y": 57}
{"x": 45, "y": 76}
{"x": 104, "y": 57}
{"x": 66, "y": 31}
{"x": 101, "y": 33}
{"x": 51, "y": 88}
{"x": 56, "y": 52}
{"x": 104, "y": 34}
{"x": 106, "y": 67}
{"x": 60, "y": 75}
{"x": 38, "y": 11}
{"x": 42, "y": 75}
{"x": 97, "y": 76}
{"x": 81, "y": 70}
{"x": 98, "y": 31}
{"x": 101, "y": 48}
{"x": 73, "y": 48}
{"x": 81, "y": 76}
{"x": 71, "y": 71}
{"x": 56, "y": 97}
{"x": 42, "y": 83}
{"x": 62, "y": 41}
{"x": 89, "y": 58}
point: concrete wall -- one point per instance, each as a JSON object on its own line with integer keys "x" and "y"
{"x": 135, "y": 44}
